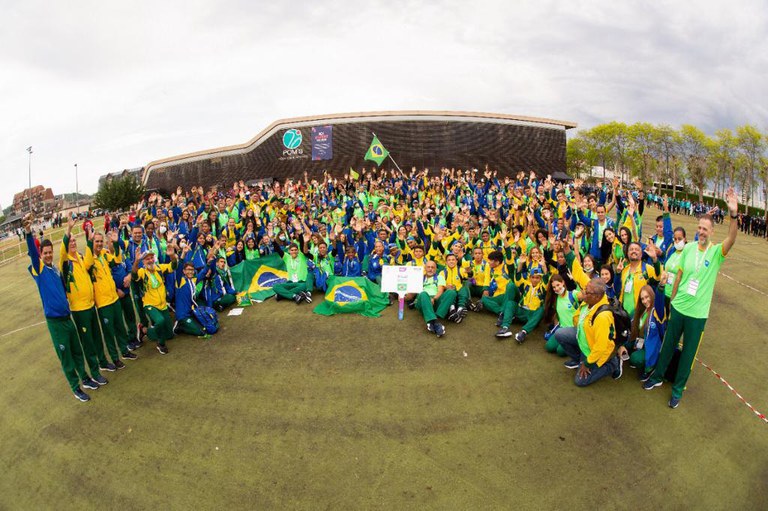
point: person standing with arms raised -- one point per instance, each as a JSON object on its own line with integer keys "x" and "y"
{"x": 692, "y": 297}
{"x": 57, "y": 313}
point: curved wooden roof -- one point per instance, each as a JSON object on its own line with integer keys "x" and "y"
{"x": 397, "y": 115}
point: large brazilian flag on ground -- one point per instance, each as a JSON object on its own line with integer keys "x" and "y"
{"x": 254, "y": 279}
{"x": 352, "y": 294}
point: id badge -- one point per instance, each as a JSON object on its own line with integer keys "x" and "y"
{"x": 628, "y": 286}
{"x": 295, "y": 278}
{"x": 693, "y": 286}
{"x": 671, "y": 278}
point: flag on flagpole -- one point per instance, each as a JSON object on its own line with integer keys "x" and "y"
{"x": 352, "y": 174}
{"x": 377, "y": 152}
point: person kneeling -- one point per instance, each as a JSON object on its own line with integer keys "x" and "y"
{"x": 590, "y": 343}
{"x": 430, "y": 298}
{"x": 218, "y": 291}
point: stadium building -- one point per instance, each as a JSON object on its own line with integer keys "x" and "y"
{"x": 289, "y": 147}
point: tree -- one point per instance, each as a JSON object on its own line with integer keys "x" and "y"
{"x": 668, "y": 143}
{"x": 576, "y": 157}
{"x": 695, "y": 145}
{"x": 723, "y": 155}
{"x": 599, "y": 146}
{"x": 751, "y": 145}
{"x": 643, "y": 145}
{"x": 118, "y": 193}
{"x": 618, "y": 135}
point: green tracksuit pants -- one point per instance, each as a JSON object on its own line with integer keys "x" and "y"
{"x": 87, "y": 323}
{"x": 224, "y": 302}
{"x": 190, "y": 326}
{"x": 439, "y": 309}
{"x": 691, "y": 330}
{"x": 162, "y": 327}
{"x": 67, "y": 347}
{"x": 553, "y": 346}
{"x": 136, "y": 295}
{"x": 113, "y": 328}
{"x": 126, "y": 304}
{"x": 288, "y": 289}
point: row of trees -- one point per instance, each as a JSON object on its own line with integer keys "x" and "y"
{"x": 686, "y": 156}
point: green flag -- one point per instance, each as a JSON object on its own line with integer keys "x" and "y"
{"x": 352, "y": 294}
{"x": 254, "y": 279}
{"x": 377, "y": 152}
{"x": 352, "y": 174}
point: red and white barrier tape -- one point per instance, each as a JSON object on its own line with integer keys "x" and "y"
{"x": 760, "y": 415}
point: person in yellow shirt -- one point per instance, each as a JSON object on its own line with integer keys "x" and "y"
{"x": 591, "y": 342}
{"x": 455, "y": 276}
{"x": 479, "y": 273}
{"x": 75, "y": 273}
{"x": 525, "y": 303}
{"x": 494, "y": 293}
{"x": 151, "y": 280}
{"x": 105, "y": 295}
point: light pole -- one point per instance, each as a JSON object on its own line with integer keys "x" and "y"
{"x": 77, "y": 192}
{"x": 29, "y": 190}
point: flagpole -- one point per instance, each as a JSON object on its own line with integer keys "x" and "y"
{"x": 390, "y": 157}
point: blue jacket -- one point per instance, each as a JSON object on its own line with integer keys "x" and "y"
{"x": 49, "y": 284}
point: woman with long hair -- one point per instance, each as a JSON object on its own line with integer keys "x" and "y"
{"x": 559, "y": 308}
{"x": 647, "y": 332}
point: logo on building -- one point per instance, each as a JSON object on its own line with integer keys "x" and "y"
{"x": 292, "y": 139}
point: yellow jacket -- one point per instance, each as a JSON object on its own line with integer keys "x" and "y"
{"x": 105, "y": 291}
{"x": 598, "y": 338}
{"x": 75, "y": 271}
{"x": 639, "y": 279}
{"x": 153, "y": 284}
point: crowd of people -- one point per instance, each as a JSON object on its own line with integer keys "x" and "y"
{"x": 523, "y": 248}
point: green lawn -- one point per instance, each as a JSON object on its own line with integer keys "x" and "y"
{"x": 285, "y": 409}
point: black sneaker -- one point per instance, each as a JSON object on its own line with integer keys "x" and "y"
{"x": 412, "y": 304}
{"x": 646, "y": 376}
{"x": 298, "y": 298}
{"x": 650, "y": 384}
{"x": 132, "y": 346}
{"x": 88, "y": 383}
{"x": 108, "y": 367}
{"x": 461, "y": 313}
{"x": 100, "y": 380}
{"x": 500, "y": 319}
{"x": 571, "y": 364}
{"x": 619, "y": 370}
{"x": 439, "y": 329}
{"x": 472, "y": 306}
{"x": 278, "y": 298}
{"x": 129, "y": 356}
{"x": 674, "y": 402}
{"x": 451, "y": 313}
{"x": 520, "y": 336}
{"x": 163, "y": 349}
{"x": 80, "y": 395}
{"x": 307, "y": 297}
{"x": 479, "y": 306}
{"x": 119, "y": 364}
{"x": 504, "y": 332}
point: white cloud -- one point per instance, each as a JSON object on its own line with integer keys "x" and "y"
{"x": 114, "y": 85}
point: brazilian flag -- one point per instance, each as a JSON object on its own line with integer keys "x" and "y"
{"x": 254, "y": 279}
{"x": 377, "y": 152}
{"x": 352, "y": 294}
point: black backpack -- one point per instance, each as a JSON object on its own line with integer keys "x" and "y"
{"x": 622, "y": 323}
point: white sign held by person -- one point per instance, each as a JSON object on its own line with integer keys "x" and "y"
{"x": 402, "y": 279}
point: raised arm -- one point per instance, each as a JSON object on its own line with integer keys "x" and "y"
{"x": 733, "y": 227}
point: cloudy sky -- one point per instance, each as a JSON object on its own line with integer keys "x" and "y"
{"x": 112, "y": 85}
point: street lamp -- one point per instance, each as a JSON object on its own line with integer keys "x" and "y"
{"x": 77, "y": 192}
{"x": 29, "y": 190}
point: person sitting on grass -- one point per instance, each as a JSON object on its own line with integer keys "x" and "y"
{"x": 431, "y": 299}
{"x": 456, "y": 287}
{"x": 524, "y": 302}
{"x": 218, "y": 290}
{"x": 559, "y": 306}
{"x": 57, "y": 313}
{"x": 350, "y": 265}
{"x": 647, "y": 333}
{"x": 300, "y": 282}
{"x": 150, "y": 279}
{"x": 590, "y": 343}
{"x": 185, "y": 302}
{"x": 495, "y": 291}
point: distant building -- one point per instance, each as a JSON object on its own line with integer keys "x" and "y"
{"x": 38, "y": 198}
{"x": 136, "y": 173}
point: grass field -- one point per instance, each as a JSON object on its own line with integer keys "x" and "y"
{"x": 289, "y": 410}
